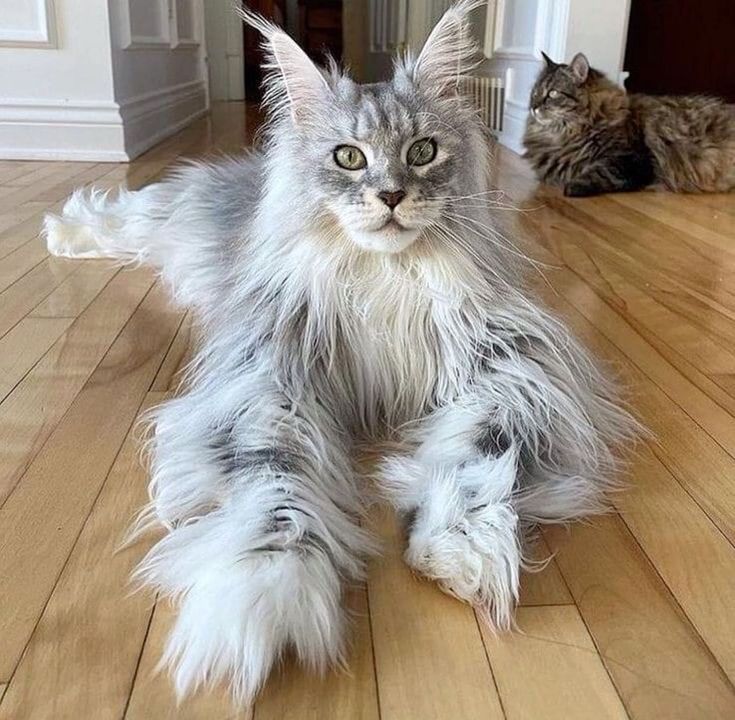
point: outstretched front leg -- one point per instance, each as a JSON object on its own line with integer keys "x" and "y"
{"x": 527, "y": 442}
{"x": 456, "y": 494}
{"x": 257, "y": 492}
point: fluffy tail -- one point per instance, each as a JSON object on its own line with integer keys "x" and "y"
{"x": 95, "y": 225}
{"x": 187, "y": 226}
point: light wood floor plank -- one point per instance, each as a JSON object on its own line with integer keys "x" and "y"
{"x": 21, "y": 225}
{"x": 15, "y": 169}
{"x": 672, "y": 530}
{"x": 153, "y": 696}
{"x": 546, "y": 587}
{"x": 57, "y": 175}
{"x": 550, "y": 668}
{"x": 684, "y": 214}
{"x": 75, "y": 294}
{"x": 24, "y": 346}
{"x": 41, "y": 519}
{"x": 659, "y": 664}
{"x": 83, "y": 654}
{"x": 426, "y": 644}
{"x": 702, "y": 353}
{"x": 703, "y": 466}
{"x": 176, "y": 358}
{"x": 294, "y": 693}
{"x": 30, "y": 413}
{"x": 656, "y": 502}
{"x": 23, "y": 296}
{"x": 17, "y": 263}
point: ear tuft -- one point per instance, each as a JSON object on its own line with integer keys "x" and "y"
{"x": 549, "y": 62}
{"x": 579, "y": 68}
{"x": 449, "y": 52}
{"x": 293, "y": 83}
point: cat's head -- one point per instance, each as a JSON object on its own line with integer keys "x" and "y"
{"x": 561, "y": 92}
{"x": 377, "y": 164}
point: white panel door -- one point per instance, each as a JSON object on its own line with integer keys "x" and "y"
{"x": 224, "y": 51}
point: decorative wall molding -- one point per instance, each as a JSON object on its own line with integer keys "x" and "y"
{"x": 160, "y": 40}
{"x": 174, "y": 33}
{"x": 56, "y": 130}
{"x": 97, "y": 131}
{"x": 145, "y": 103}
{"x": 182, "y": 37}
{"x": 32, "y": 111}
{"x": 40, "y": 33}
{"x": 513, "y": 44}
{"x": 150, "y": 117}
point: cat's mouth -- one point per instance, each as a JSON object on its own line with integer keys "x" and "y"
{"x": 392, "y": 224}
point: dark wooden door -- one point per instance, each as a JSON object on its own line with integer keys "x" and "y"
{"x": 320, "y": 28}
{"x": 253, "y": 56}
{"x": 680, "y": 47}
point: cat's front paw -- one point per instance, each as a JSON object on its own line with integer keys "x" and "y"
{"x": 476, "y": 559}
{"x": 464, "y": 533}
{"x": 580, "y": 189}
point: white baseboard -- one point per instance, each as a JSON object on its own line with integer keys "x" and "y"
{"x": 58, "y": 130}
{"x": 152, "y": 117}
{"x": 104, "y": 131}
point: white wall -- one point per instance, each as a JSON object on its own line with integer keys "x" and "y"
{"x": 56, "y": 94}
{"x": 599, "y": 29}
{"x": 69, "y": 90}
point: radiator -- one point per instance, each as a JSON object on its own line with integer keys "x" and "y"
{"x": 488, "y": 94}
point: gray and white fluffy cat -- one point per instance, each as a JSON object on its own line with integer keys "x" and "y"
{"x": 351, "y": 283}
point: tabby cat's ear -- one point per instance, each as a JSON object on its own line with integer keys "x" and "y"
{"x": 293, "y": 83}
{"x": 579, "y": 68}
{"x": 549, "y": 62}
{"x": 449, "y": 52}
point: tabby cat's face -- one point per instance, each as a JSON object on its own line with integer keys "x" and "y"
{"x": 560, "y": 93}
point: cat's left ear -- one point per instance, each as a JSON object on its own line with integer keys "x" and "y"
{"x": 449, "y": 52}
{"x": 549, "y": 62}
{"x": 293, "y": 83}
{"x": 579, "y": 68}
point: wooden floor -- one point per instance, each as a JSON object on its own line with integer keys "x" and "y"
{"x": 634, "y": 617}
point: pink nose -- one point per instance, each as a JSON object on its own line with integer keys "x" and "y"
{"x": 391, "y": 199}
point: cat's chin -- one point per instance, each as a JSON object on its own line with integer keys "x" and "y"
{"x": 390, "y": 239}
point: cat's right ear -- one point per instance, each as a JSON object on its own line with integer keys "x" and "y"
{"x": 449, "y": 52}
{"x": 293, "y": 83}
{"x": 579, "y": 68}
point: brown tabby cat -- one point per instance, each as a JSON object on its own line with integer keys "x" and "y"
{"x": 589, "y": 136}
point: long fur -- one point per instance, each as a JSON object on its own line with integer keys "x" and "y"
{"x": 586, "y": 134}
{"x": 311, "y": 343}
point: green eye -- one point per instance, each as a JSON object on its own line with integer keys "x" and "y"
{"x": 422, "y": 152}
{"x": 350, "y": 157}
